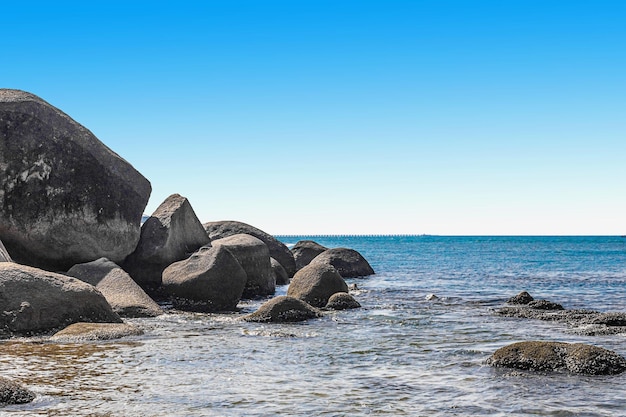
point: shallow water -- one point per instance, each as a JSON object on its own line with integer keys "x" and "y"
{"x": 399, "y": 355}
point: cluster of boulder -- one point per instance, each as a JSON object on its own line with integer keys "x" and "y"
{"x": 73, "y": 247}
{"x": 74, "y": 254}
{"x": 558, "y": 356}
{"x": 579, "y": 321}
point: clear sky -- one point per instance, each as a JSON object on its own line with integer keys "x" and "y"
{"x": 348, "y": 116}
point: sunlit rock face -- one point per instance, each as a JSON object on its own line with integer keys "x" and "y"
{"x": 65, "y": 197}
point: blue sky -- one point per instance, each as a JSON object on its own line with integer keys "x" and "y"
{"x": 441, "y": 117}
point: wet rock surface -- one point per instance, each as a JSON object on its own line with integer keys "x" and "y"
{"x": 283, "y": 309}
{"x": 13, "y": 393}
{"x": 82, "y": 332}
{"x": 578, "y": 321}
{"x": 544, "y": 356}
{"x": 316, "y": 283}
{"x": 342, "y": 301}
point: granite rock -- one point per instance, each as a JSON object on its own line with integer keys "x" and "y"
{"x": 65, "y": 198}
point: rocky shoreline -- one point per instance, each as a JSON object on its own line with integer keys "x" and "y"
{"x": 75, "y": 259}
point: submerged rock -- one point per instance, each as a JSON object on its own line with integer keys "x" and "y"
{"x": 209, "y": 280}
{"x": 65, "y": 198}
{"x": 171, "y": 234}
{"x": 278, "y": 250}
{"x": 544, "y": 305}
{"x": 283, "y": 309}
{"x": 304, "y": 251}
{"x": 36, "y": 301}
{"x": 582, "y": 322}
{"x": 557, "y": 356}
{"x": 316, "y": 283}
{"x": 83, "y": 332}
{"x": 123, "y": 294}
{"x": 13, "y": 393}
{"x": 341, "y": 301}
{"x": 348, "y": 262}
{"x": 254, "y": 257}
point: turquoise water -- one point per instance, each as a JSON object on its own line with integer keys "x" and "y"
{"x": 400, "y": 355}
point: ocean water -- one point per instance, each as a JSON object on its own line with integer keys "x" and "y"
{"x": 399, "y": 355}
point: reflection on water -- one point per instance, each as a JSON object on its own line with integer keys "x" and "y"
{"x": 400, "y": 355}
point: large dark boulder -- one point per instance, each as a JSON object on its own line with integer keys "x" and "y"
{"x": 304, "y": 251}
{"x": 283, "y": 309}
{"x": 36, "y": 301}
{"x": 254, "y": 258}
{"x": 557, "y": 356}
{"x": 171, "y": 234}
{"x": 13, "y": 393}
{"x": 348, "y": 262}
{"x": 316, "y": 283}
{"x": 123, "y": 294}
{"x": 65, "y": 198}
{"x": 4, "y": 255}
{"x": 278, "y": 250}
{"x": 209, "y": 280}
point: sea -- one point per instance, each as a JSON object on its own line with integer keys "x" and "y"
{"x": 404, "y": 353}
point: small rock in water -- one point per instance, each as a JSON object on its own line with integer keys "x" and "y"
{"x": 521, "y": 298}
{"x": 283, "y": 309}
{"x": 13, "y": 393}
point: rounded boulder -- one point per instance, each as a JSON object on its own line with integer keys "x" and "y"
{"x": 254, "y": 257}
{"x": 36, "y": 301}
{"x": 283, "y": 309}
{"x": 544, "y": 356}
{"x": 209, "y": 280}
{"x": 348, "y": 262}
{"x": 304, "y": 251}
{"x": 316, "y": 283}
{"x": 342, "y": 301}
